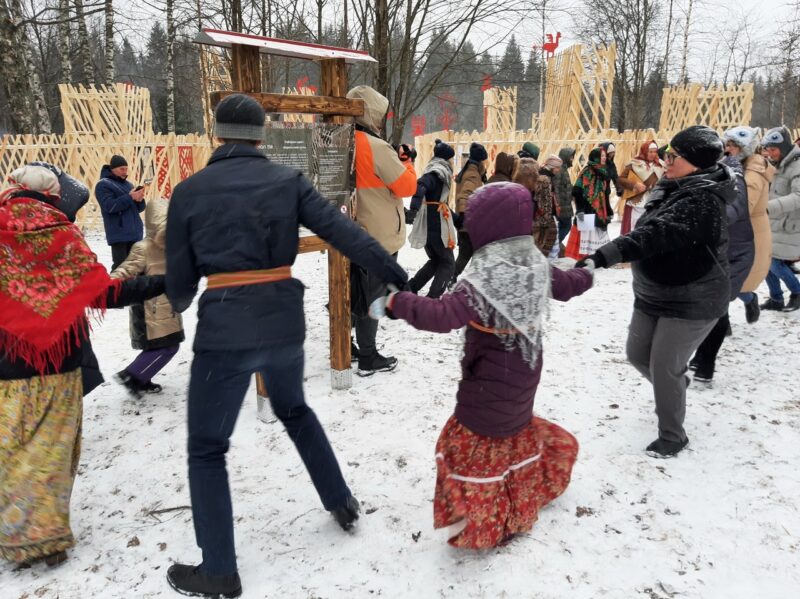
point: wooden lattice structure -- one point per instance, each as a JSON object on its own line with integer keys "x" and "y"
{"x": 117, "y": 109}
{"x": 719, "y": 107}
{"x": 579, "y": 91}
{"x": 500, "y": 109}
{"x": 216, "y": 76}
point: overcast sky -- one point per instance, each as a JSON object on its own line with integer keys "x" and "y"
{"x": 710, "y": 19}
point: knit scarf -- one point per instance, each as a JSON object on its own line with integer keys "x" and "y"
{"x": 48, "y": 279}
{"x": 592, "y": 181}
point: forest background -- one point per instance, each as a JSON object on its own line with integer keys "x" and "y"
{"x": 434, "y": 56}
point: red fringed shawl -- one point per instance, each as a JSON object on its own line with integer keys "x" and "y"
{"x": 49, "y": 278}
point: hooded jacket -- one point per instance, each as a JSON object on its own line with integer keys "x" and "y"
{"x": 679, "y": 248}
{"x": 784, "y": 207}
{"x": 120, "y": 212}
{"x": 504, "y": 166}
{"x": 496, "y": 393}
{"x": 741, "y": 247}
{"x": 162, "y": 326}
{"x": 562, "y": 183}
{"x": 382, "y": 180}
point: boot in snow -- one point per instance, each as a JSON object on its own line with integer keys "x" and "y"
{"x": 151, "y": 388}
{"x": 369, "y": 365}
{"x": 773, "y": 304}
{"x": 661, "y": 448}
{"x": 703, "y": 373}
{"x": 190, "y": 581}
{"x": 347, "y": 515}
{"x": 751, "y": 310}
{"x": 794, "y": 303}
{"x": 127, "y": 381}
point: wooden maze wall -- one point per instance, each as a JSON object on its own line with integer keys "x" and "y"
{"x": 719, "y": 107}
{"x": 124, "y": 118}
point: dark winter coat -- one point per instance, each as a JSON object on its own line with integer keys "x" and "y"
{"x": 741, "y": 244}
{"x": 429, "y": 189}
{"x": 562, "y": 183}
{"x": 243, "y": 212}
{"x": 679, "y": 248}
{"x": 497, "y": 388}
{"x": 80, "y": 353}
{"x": 120, "y": 213}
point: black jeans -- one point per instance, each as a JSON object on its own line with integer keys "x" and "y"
{"x": 706, "y": 355}
{"x": 366, "y": 326}
{"x": 564, "y": 225}
{"x": 439, "y": 267}
{"x": 119, "y": 252}
{"x": 218, "y": 385}
{"x": 465, "y": 252}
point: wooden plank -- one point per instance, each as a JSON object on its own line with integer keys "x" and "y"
{"x": 311, "y": 243}
{"x": 245, "y": 68}
{"x": 325, "y": 105}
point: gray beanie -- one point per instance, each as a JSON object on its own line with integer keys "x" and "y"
{"x": 239, "y": 117}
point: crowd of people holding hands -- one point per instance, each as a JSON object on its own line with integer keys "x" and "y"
{"x": 704, "y": 220}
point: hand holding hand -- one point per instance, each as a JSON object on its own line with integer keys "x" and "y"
{"x": 406, "y": 153}
{"x": 382, "y": 306}
{"x": 586, "y": 263}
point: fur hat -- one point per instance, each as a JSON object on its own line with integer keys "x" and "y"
{"x": 239, "y": 117}
{"x": 443, "y": 150}
{"x": 779, "y": 137}
{"x": 36, "y": 178}
{"x": 698, "y": 144}
{"x": 744, "y": 137}
{"x": 552, "y": 162}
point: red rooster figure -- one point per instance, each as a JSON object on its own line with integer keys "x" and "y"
{"x": 550, "y": 46}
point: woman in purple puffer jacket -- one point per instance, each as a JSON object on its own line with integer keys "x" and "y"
{"x": 497, "y": 464}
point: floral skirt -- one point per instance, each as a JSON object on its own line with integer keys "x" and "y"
{"x": 40, "y": 431}
{"x": 488, "y": 489}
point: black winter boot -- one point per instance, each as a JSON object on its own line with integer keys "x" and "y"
{"x": 190, "y": 581}
{"x": 751, "y": 310}
{"x": 661, "y": 448}
{"x": 127, "y": 381}
{"x": 703, "y": 373}
{"x": 347, "y": 515}
{"x": 794, "y": 303}
{"x": 773, "y": 304}
{"x": 369, "y": 365}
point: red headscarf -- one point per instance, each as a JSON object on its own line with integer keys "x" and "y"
{"x": 49, "y": 277}
{"x": 644, "y": 150}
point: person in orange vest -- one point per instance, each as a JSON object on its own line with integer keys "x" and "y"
{"x": 384, "y": 176}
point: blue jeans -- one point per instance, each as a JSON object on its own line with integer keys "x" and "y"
{"x": 217, "y": 388}
{"x": 780, "y": 271}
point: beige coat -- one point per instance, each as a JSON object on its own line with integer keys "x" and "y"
{"x": 382, "y": 180}
{"x": 147, "y": 257}
{"x": 758, "y": 174}
{"x": 471, "y": 180}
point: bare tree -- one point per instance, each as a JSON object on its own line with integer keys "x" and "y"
{"x": 170, "y": 83}
{"x": 64, "y": 40}
{"x": 109, "y": 49}
{"x": 83, "y": 45}
{"x": 684, "y": 76}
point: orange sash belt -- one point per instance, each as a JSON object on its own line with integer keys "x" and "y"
{"x": 242, "y": 278}
{"x": 444, "y": 210}
{"x": 479, "y": 327}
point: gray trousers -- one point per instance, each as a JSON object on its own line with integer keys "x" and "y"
{"x": 660, "y": 348}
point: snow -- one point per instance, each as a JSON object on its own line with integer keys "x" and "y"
{"x": 720, "y": 520}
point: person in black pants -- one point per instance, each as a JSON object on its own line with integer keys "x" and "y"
{"x": 471, "y": 177}
{"x": 120, "y": 205}
{"x": 433, "y": 192}
{"x": 236, "y": 222}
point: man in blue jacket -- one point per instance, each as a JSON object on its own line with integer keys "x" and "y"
{"x": 236, "y": 223}
{"x": 120, "y": 205}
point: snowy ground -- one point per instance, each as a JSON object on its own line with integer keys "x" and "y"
{"x": 721, "y": 520}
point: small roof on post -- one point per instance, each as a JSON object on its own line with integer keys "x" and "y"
{"x": 279, "y": 47}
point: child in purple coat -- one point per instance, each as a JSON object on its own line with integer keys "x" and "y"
{"x": 497, "y": 464}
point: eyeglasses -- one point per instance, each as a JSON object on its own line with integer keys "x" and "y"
{"x": 670, "y": 157}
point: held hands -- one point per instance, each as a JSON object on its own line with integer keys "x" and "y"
{"x": 407, "y": 152}
{"x": 586, "y": 263}
{"x": 383, "y": 305}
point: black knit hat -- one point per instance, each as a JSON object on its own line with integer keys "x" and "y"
{"x": 698, "y": 144}
{"x": 443, "y": 150}
{"x": 117, "y": 161}
{"x": 239, "y": 117}
{"x": 477, "y": 152}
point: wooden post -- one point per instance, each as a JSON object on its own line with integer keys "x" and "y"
{"x": 333, "y": 82}
{"x": 245, "y": 68}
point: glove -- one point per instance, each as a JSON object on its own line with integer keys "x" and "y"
{"x": 586, "y": 263}
{"x": 382, "y": 306}
{"x": 596, "y": 260}
{"x": 411, "y": 215}
{"x": 407, "y": 152}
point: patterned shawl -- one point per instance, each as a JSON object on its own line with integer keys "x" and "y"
{"x": 48, "y": 279}
{"x": 593, "y": 180}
